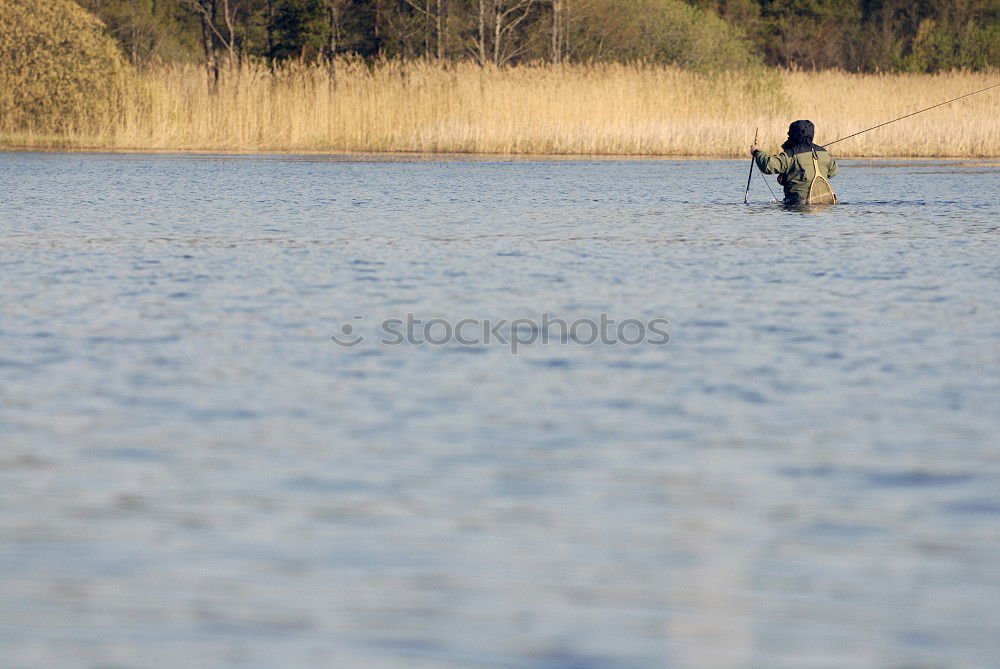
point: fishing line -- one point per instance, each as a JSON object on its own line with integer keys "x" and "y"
{"x": 774, "y": 198}
{"x": 753, "y": 162}
{"x": 940, "y": 104}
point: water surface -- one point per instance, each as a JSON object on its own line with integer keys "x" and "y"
{"x": 193, "y": 474}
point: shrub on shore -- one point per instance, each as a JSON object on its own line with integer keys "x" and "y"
{"x": 659, "y": 31}
{"x": 59, "y": 71}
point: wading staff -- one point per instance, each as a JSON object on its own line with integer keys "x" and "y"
{"x": 746, "y": 196}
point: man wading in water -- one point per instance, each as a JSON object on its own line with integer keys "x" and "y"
{"x": 796, "y": 166}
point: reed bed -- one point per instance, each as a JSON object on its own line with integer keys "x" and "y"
{"x": 600, "y": 109}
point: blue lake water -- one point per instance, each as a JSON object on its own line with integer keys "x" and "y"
{"x": 194, "y": 474}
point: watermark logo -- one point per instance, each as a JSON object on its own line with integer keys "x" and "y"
{"x": 348, "y": 337}
{"x": 514, "y": 334}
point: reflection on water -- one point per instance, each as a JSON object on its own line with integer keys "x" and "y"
{"x": 193, "y": 474}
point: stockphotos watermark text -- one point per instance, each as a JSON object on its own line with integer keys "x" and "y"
{"x": 515, "y": 334}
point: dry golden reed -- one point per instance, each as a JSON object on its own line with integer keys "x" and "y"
{"x": 599, "y": 109}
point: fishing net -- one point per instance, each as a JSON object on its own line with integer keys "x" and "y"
{"x": 820, "y": 191}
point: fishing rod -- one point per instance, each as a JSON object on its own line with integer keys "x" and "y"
{"x": 746, "y": 196}
{"x": 940, "y": 104}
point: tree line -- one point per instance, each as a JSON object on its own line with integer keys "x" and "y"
{"x": 854, "y": 35}
{"x": 870, "y": 35}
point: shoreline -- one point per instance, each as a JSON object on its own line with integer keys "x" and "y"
{"x": 455, "y": 156}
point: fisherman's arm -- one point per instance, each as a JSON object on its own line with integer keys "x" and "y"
{"x": 777, "y": 164}
{"x": 831, "y": 168}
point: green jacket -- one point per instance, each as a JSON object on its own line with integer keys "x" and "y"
{"x": 797, "y": 167}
